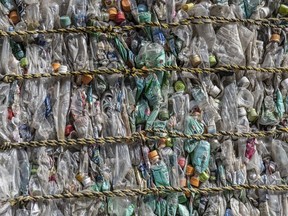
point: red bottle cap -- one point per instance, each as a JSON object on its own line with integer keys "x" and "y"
{"x": 68, "y": 130}
{"x": 120, "y": 17}
{"x": 10, "y": 114}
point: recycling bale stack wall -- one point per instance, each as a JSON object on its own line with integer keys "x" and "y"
{"x": 137, "y": 107}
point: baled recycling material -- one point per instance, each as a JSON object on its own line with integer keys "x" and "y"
{"x": 244, "y": 35}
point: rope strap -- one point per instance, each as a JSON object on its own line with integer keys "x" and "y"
{"x": 136, "y": 136}
{"x": 137, "y": 192}
{"x": 133, "y": 72}
{"x": 114, "y": 30}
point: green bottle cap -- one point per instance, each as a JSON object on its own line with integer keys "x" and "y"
{"x": 283, "y": 10}
{"x": 24, "y": 62}
{"x": 182, "y": 198}
{"x": 145, "y": 17}
{"x": 65, "y": 21}
{"x": 204, "y": 176}
{"x": 179, "y": 86}
{"x": 163, "y": 115}
{"x": 169, "y": 142}
{"x": 33, "y": 171}
{"x": 252, "y": 115}
{"x": 212, "y": 60}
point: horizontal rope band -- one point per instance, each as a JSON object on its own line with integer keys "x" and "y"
{"x": 136, "y": 136}
{"x": 137, "y": 192}
{"x": 114, "y": 30}
{"x": 133, "y": 72}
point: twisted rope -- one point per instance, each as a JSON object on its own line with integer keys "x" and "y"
{"x": 114, "y": 30}
{"x": 137, "y": 192}
{"x": 136, "y": 136}
{"x": 133, "y": 72}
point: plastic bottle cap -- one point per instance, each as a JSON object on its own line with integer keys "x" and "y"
{"x": 284, "y": 83}
{"x": 152, "y": 154}
{"x": 194, "y": 181}
{"x": 109, "y": 3}
{"x": 24, "y": 62}
{"x": 189, "y": 170}
{"x": 105, "y": 17}
{"x": 10, "y": 114}
{"x": 34, "y": 171}
{"x": 169, "y": 142}
{"x": 283, "y": 10}
{"x": 56, "y": 66}
{"x": 65, "y": 21}
{"x": 183, "y": 182}
{"x": 86, "y": 79}
{"x": 14, "y": 17}
{"x": 126, "y": 5}
{"x": 204, "y": 176}
{"x": 86, "y": 181}
{"x": 182, "y": 162}
{"x": 144, "y": 17}
{"x": 79, "y": 177}
{"x": 212, "y": 60}
{"x": 275, "y": 38}
{"x": 242, "y": 111}
{"x": 162, "y": 142}
{"x": 112, "y": 13}
{"x": 120, "y": 17}
{"x": 163, "y": 115}
{"x": 68, "y": 129}
{"x": 252, "y": 115}
{"x": 142, "y": 8}
{"x": 179, "y": 86}
{"x": 195, "y": 60}
{"x": 182, "y": 198}
{"x": 63, "y": 69}
{"x": 215, "y": 91}
{"x": 187, "y": 7}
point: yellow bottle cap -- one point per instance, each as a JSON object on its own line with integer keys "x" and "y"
{"x": 187, "y": 7}
{"x": 86, "y": 79}
{"x": 80, "y": 177}
{"x": 204, "y": 176}
{"x": 283, "y": 10}
{"x": 196, "y": 60}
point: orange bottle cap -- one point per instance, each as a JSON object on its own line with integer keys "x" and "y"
{"x": 183, "y": 182}
{"x": 194, "y": 181}
{"x": 152, "y": 154}
{"x": 189, "y": 170}
{"x": 14, "y": 17}
{"x": 126, "y": 5}
{"x": 86, "y": 79}
{"x": 56, "y": 66}
{"x": 187, "y": 194}
{"x": 112, "y": 13}
{"x": 275, "y": 38}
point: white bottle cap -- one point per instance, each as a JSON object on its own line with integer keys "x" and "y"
{"x": 63, "y": 69}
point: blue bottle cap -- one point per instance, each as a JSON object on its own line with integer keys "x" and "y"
{"x": 142, "y": 8}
